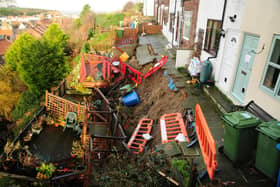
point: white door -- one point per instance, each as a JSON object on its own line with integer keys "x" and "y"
{"x": 229, "y": 60}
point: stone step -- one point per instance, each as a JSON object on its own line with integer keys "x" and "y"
{"x": 223, "y": 103}
{"x": 180, "y": 84}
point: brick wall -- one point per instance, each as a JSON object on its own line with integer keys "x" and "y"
{"x": 191, "y": 5}
{"x": 151, "y": 29}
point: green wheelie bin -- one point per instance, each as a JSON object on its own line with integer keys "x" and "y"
{"x": 267, "y": 156}
{"x": 240, "y": 136}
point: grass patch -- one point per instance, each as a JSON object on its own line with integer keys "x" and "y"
{"x": 102, "y": 38}
{"x": 183, "y": 166}
{"x": 106, "y": 20}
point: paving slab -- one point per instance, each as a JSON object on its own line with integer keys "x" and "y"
{"x": 180, "y": 84}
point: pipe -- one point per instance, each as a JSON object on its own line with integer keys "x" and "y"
{"x": 175, "y": 11}
{"x": 219, "y": 39}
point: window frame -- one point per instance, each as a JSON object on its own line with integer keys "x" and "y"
{"x": 191, "y": 17}
{"x": 276, "y": 90}
{"x": 207, "y": 48}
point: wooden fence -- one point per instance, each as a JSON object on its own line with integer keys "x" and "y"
{"x": 58, "y": 107}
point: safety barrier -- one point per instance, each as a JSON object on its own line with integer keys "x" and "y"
{"x": 171, "y": 125}
{"x": 135, "y": 75}
{"x": 137, "y": 142}
{"x": 58, "y": 107}
{"x": 157, "y": 66}
{"x": 206, "y": 142}
{"x": 95, "y": 67}
{"x": 91, "y": 65}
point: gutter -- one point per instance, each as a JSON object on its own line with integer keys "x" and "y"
{"x": 222, "y": 30}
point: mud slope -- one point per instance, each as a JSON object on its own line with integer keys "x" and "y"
{"x": 156, "y": 100}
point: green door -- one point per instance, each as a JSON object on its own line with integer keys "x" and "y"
{"x": 246, "y": 60}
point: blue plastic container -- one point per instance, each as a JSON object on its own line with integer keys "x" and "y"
{"x": 132, "y": 25}
{"x": 131, "y": 99}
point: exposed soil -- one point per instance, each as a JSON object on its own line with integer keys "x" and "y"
{"x": 156, "y": 100}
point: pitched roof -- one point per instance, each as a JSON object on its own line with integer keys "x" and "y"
{"x": 6, "y": 32}
{"x": 4, "y": 44}
{"x": 38, "y": 30}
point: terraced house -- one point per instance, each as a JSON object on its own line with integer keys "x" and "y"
{"x": 241, "y": 43}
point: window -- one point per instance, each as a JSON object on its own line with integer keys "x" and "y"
{"x": 271, "y": 76}
{"x": 187, "y": 24}
{"x": 165, "y": 14}
{"x": 171, "y": 22}
{"x": 212, "y": 35}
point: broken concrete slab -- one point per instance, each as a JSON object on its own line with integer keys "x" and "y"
{"x": 143, "y": 55}
{"x": 170, "y": 148}
{"x": 188, "y": 151}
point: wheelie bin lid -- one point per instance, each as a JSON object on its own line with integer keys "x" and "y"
{"x": 241, "y": 119}
{"x": 271, "y": 129}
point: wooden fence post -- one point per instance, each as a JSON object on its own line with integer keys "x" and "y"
{"x": 46, "y": 99}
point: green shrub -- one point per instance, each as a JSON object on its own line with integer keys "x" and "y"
{"x": 28, "y": 100}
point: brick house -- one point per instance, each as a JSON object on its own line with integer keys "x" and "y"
{"x": 178, "y": 19}
{"x": 4, "y": 45}
{"x": 6, "y": 31}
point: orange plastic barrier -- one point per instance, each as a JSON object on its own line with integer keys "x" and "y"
{"x": 206, "y": 142}
{"x": 137, "y": 142}
{"x": 135, "y": 75}
{"x": 157, "y": 66}
{"x": 171, "y": 125}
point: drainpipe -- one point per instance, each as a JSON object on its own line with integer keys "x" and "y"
{"x": 175, "y": 11}
{"x": 222, "y": 30}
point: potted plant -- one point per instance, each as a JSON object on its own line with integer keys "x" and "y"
{"x": 37, "y": 127}
{"x": 45, "y": 171}
{"x": 77, "y": 150}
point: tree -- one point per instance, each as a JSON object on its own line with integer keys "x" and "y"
{"x": 16, "y": 51}
{"x": 10, "y": 88}
{"x": 128, "y": 6}
{"x": 86, "y": 10}
{"x": 54, "y": 36}
{"x": 79, "y": 32}
{"x": 43, "y": 66}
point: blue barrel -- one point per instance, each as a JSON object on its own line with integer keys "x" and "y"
{"x": 131, "y": 99}
{"x": 206, "y": 70}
